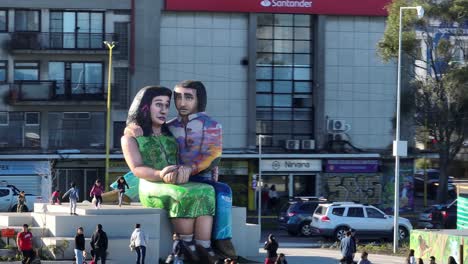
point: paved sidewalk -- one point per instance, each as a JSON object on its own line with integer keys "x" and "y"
{"x": 324, "y": 256}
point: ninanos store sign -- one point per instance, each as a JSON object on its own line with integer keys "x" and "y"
{"x": 324, "y": 7}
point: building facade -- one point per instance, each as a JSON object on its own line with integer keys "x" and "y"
{"x": 305, "y": 76}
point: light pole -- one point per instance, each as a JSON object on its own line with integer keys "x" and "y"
{"x": 397, "y": 144}
{"x": 259, "y": 181}
{"x": 110, "y": 46}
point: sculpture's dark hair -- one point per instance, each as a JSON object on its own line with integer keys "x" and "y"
{"x": 201, "y": 92}
{"x": 139, "y": 112}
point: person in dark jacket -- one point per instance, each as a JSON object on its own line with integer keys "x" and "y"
{"x": 121, "y": 183}
{"x": 347, "y": 247}
{"x": 271, "y": 246}
{"x": 79, "y": 245}
{"x": 99, "y": 244}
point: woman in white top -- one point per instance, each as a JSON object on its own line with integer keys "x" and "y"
{"x": 139, "y": 240}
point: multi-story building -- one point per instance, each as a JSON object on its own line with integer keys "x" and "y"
{"x": 304, "y": 75}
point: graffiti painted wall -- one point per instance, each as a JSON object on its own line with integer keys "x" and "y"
{"x": 437, "y": 244}
{"x": 360, "y": 188}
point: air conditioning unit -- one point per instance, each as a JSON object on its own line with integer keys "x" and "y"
{"x": 337, "y": 136}
{"x": 293, "y": 144}
{"x": 308, "y": 144}
{"x": 336, "y": 125}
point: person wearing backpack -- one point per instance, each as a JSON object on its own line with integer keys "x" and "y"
{"x": 99, "y": 244}
{"x": 73, "y": 197}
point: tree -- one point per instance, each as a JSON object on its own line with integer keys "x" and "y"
{"x": 433, "y": 50}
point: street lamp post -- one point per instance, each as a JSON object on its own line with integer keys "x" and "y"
{"x": 399, "y": 146}
{"x": 110, "y": 46}
{"x": 259, "y": 181}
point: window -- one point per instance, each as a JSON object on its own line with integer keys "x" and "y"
{"x": 27, "y": 20}
{"x": 82, "y": 130}
{"x": 26, "y": 71}
{"x": 355, "y": 212}
{"x": 284, "y": 98}
{"x": 3, "y": 20}
{"x": 75, "y": 79}
{"x": 71, "y": 29}
{"x": 372, "y": 213}
{"x": 308, "y": 207}
{"x": 3, "y": 71}
{"x": 4, "y": 192}
{"x": 118, "y": 133}
{"x": 3, "y": 118}
{"x": 20, "y": 129}
{"x": 338, "y": 211}
{"x": 321, "y": 210}
{"x": 32, "y": 118}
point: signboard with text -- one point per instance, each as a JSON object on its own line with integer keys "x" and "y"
{"x": 323, "y": 7}
{"x": 291, "y": 165}
{"x": 352, "y": 166}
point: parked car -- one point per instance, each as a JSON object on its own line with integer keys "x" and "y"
{"x": 432, "y": 184}
{"x": 445, "y": 216}
{"x": 332, "y": 220}
{"x": 8, "y": 199}
{"x": 295, "y": 217}
{"x": 425, "y": 217}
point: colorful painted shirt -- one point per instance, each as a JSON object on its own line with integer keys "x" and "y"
{"x": 200, "y": 141}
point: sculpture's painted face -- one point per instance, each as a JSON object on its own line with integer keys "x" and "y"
{"x": 159, "y": 109}
{"x": 186, "y": 101}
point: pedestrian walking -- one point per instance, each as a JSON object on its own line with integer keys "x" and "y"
{"x": 121, "y": 184}
{"x": 73, "y": 196}
{"x": 24, "y": 244}
{"x": 432, "y": 260}
{"x": 99, "y": 244}
{"x": 273, "y": 198}
{"x": 21, "y": 205}
{"x": 79, "y": 246}
{"x": 55, "y": 199}
{"x": 281, "y": 259}
{"x": 364, "y": 259}
{"x": 96, "y": 193}
{"x": 411, "y": 259}
{"x": 271, "y": 246}
{"x": 347, "y": 247}
{"x": 420, "y": 261}
{"x": 451, "y": 260}
{"x": 139, "y": 241}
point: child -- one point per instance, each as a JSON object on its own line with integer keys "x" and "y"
{"x": 96, "y": 192}
{"x": 281, "y": 259}
{"x": 176, "y": 255}
{"x": 73, "y": 196}
{"x": 55, "y": 197}
{"x": 121, "y": 183}
{"x": 364, "y": 259}
{"x": 20, "y": 207}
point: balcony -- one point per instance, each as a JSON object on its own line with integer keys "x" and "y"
{"x": 58, "y": 93}
{"x": 59, "y": 42}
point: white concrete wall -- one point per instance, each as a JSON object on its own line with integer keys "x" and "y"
{"x": 359, "y": 87}
{"x": 209, "y": 47}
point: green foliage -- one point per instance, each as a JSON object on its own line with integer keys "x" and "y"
{"x": 383, "y": 249}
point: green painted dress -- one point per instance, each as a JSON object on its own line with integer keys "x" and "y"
{"x": 187, "y": 200}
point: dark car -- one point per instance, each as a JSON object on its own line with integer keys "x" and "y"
{"x": 432, "y": 184}
{"x": 295, "y": 217}
{"x": 445, "y": 216}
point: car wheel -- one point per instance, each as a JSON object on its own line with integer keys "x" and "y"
{"x": 340, "y": 233}
{"x": 403, "y": 233}
{"x": 305, "y": 229}
{"x": 292, "y": 233}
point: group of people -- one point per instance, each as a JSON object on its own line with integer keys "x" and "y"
{"x": 271, "y": 246}
{"x": 348, "y": 248}
{"x": 412, "y": 260}
{"x": 99, "y": 244}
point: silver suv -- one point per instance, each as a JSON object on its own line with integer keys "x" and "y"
{"x": 334, "y": 219}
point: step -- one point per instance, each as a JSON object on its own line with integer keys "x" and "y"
{"x": 65, "y": 225}
{"x": 86, "y": 208}
{"x": 118, "y": 249}
{"x": 15, "y": 219}
{"x": 35, "y": 230}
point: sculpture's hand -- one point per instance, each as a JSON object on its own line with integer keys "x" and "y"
{"x": 167, "y": 169}
{"x": 183, "y": 174}
{"x": 215, "y": 173}
{"x": 170, "y": 177}
{"x": 133, "y": 130}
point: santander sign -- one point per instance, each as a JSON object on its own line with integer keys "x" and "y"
{"x": 286, "y": 3}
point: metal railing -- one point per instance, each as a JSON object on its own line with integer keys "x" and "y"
{"x": 59, "y": 40}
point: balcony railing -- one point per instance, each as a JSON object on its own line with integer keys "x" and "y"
{"x": 59, "y": 41}
{"x": 56, "y": 91}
